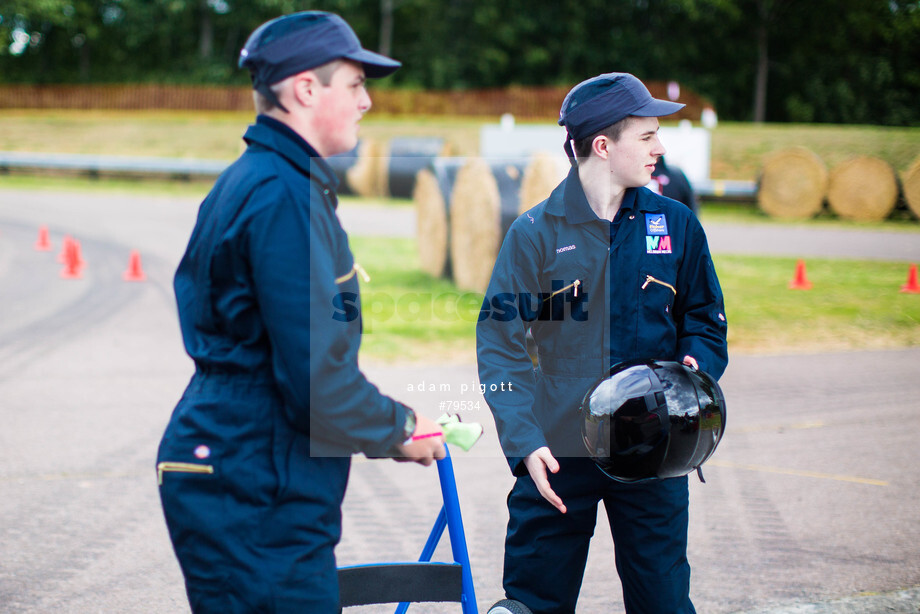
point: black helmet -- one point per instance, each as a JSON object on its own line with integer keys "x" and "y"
{"x": 652, "y": 419}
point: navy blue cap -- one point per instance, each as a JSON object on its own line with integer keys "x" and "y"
{"x": 294, "y": 43}
{"x": 604, "y": 100}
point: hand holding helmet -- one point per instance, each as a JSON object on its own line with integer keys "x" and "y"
{"x": 652, "y": 419}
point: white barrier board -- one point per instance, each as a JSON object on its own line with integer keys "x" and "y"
{"x": 688, "y": 148}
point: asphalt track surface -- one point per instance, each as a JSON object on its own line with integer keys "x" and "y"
{"x": 810, "y": 502}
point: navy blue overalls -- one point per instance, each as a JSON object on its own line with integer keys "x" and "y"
{"x": 594, "y": 293}
{"x": 254, "y": 462}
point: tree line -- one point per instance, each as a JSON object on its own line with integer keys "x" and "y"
{"x": 839, "y": 61}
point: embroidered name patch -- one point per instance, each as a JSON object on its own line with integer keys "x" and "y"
{"x": 656, "y": 224}
{"x": 567, "y": 248}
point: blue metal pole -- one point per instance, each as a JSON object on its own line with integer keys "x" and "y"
{"x": 434, "y": 537}
{"x": 455, "y": 531}
{"x": 428, "y": 551}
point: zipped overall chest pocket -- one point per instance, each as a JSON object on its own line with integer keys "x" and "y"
{"x": 656, "y": 298}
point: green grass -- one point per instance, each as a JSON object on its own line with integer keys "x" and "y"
{"x": 197, "y": 188}
{"x": 408, "y": 315}
{"x": 168, "y": 134}
{"x": 191, "y": 188}
{"x": 853, "y": 305}
{"x": 190, "y": 134}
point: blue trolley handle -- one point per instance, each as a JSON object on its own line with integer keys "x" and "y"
{"x": 450, "y": 517}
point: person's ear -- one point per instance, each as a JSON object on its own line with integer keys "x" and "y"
{"x": 305, "y": 87}
{"x": 599, "y": 146}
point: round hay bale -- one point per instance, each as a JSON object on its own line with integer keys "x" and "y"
{"x": 431, "y": 224}
{"x": 542, "y": 175}
{"x": 475, "y": 225}
{"x": 364, "y": 176}
{"x": 910, "y": 183}
{"x": 862, "y": 188}
{"x": 431, "y": 195}
{"x": 792, "y": 184}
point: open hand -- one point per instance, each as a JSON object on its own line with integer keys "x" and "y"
{"x": 537, "y": 463}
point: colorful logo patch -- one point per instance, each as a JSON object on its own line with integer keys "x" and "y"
{"x": 658, "y": 245}
{"x": 656, "y": 224}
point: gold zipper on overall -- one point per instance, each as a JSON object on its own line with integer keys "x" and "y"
{"x": 649, "y": 279}
{"x": 574, "y": 285}
{"x": 357, "y": 268}
{"x": 176, "y": 467}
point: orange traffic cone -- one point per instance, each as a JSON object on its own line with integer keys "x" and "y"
{"x": 912, "y": 286}
{"x": 65, "y": 247}
{"x": 800, "y": 281}
{"x": 73, "y": 264}
{"x": 43, "y": 244}
{"x": 134, "y": 272}
{"x": 78, "y": 253}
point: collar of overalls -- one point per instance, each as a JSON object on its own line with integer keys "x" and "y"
{"x": 569, "y": 200}
{"x": 277, "y": 136}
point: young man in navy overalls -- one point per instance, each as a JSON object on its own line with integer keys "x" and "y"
{"x": 254, "y": 462}
{"x": 602, "y": 271}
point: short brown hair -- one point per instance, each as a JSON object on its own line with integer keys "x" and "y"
{"x": 323, "y": 74}
{"x": 612, "y": 132}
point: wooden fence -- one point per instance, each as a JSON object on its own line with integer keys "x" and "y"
{"x": 536, "y": 103}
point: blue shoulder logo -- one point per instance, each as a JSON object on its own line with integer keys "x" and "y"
{"x": 656, "y": 224}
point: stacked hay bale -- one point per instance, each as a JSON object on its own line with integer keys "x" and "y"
{"x": 364, "y": 176}
{"x": 543, "y": 173}
{"x": 795, "y": 183}
{"x": 376, "y": 170}
{"x": 431, "y": 194}
{"x": 475, "y": 225}
{"x": 792, "y": 184}
{"x": 911, "y": 185}
{"x": 465, "y": 207}
{"x": 863, "y": 189}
